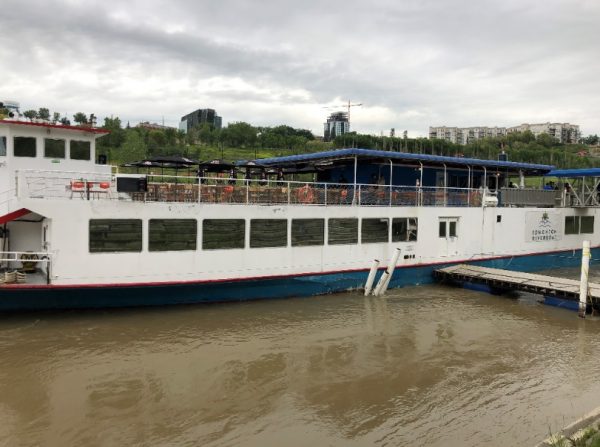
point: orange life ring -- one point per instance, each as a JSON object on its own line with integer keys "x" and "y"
{"x": 305, "y": 194}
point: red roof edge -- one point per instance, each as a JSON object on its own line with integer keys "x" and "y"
{"x": 14, "y": 215}
{"x": 96, "y": 130}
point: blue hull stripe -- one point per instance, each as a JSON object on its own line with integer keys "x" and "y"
{"x": 210, "y": 292}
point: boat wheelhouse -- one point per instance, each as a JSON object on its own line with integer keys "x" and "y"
{"x": 75, "y": 234}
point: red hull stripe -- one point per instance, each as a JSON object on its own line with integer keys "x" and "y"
{"x": 259, "y": 278}
{"x": 56, "y": 126}
{"x": 14, "y": 215}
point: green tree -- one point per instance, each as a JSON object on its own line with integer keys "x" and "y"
{"x": 31, "y": 114}
{"x": 80, "y": 118}
{"x": 44, "y": 113}
{"x": 546, "y": 140}
{"x": 116, "y": 137}
{"x": 55, "y": 117}
{"x": 239, "y": 134}
{"x": 133, "y": 148}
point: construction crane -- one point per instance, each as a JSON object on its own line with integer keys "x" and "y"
{"x": 349, "y": 105}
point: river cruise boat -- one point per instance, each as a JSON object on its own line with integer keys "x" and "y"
{"x": 75, "y": 233}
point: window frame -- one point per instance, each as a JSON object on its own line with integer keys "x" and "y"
{"x": 310, "y": 243}
{"x": 166, "y": 222}
{"x": 64, "y": 155}
{"x": 89, "y": 154}
{"x": 24, "y": 138}
{"x": 219, "y": 224}
{"x": 254, "y": 228}
{"x": 374, "y": 240}
{"x": 138, "y": 223}
{"x": 330, "y": 221}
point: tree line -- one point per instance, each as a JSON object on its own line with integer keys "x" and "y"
{"x": 518, "y": 146}
{"x": 126, "y": 144}
{"x": 242, "y": 140}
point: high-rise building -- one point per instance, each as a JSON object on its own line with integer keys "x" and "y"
{"x": 200, "y": 116}
{"x": 337, "y": 124}
{"x": 563, "y": 132}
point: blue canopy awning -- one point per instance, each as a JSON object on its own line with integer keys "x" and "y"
{"x": 341, "y": 154}
{"x": 585, "y": 172}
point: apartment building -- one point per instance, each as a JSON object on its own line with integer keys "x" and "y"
{"x": 465, "y": 135}
{"x": 564, "y": 132}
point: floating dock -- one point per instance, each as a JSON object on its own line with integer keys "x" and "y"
{"x": 498, "y": 279}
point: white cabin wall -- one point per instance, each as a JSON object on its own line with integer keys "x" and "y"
{"x": 24, "y": 236}
{"x": 69, "y": 237}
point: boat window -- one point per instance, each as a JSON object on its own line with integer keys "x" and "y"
{"x": 172, "y": 234}
{"x": 24, "y": 146}
{"x": 579, "y": 225}
{"x": 404, "y": 229}
{"x": 452, "y": 228}
{"x": 442, "y": 229}
{"x": 268, "y": 233}
{"x": 342, "y": 231}
{"x": 587, "y": 224}
{"x": 223, "y": 234}
{"x": 54, "y": 148}
{"x": 448, "y": 227}
{"x": 115, "y": 235}
{"x": 375, "y": 230}
{"x": 2, "y": 146}
{"x": 80, "y": 150}
{"x": 571, "y": 224}
{"x": 307, "y": 232}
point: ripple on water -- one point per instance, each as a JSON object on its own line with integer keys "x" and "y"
{"x": 424, "y": 366}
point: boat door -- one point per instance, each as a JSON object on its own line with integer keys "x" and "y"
{"x": 448, "y": 235}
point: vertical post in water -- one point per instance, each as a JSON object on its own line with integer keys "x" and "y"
{"x": 583, "y": 284}
{"x": 384, "y": 281}
{"x": 371, "y": 277}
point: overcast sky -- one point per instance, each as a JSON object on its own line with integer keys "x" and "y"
{"x": 411, "y": 63}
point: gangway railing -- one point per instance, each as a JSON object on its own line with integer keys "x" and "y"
{"x": 29, "y": 261}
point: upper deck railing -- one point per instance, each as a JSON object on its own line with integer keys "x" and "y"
{"x": 93, "y": 186}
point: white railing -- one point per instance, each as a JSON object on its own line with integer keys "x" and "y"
{"x": 37, "y": 264}
{"x": 20, "y": 256}
{"x": 164, "y": 188}
{"x": 64, "y": 184}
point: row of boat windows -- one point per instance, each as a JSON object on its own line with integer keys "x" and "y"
{"x": 125, "y": 235}
{"x": 53, "y": 148}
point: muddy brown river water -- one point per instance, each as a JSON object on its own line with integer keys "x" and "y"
{"x": 432, "y": 366}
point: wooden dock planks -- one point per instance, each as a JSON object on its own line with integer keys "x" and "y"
{"x": 513, "y": 280}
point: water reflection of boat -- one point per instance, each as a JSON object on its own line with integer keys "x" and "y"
{"x": 105, "y": 239}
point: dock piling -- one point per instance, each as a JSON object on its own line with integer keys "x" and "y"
{"x": 583, "y": 284}
{"x": 371, "y": 277}
{"x": 384, "y": 281}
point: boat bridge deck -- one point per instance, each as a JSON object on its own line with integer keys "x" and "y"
{"x": 526, "y": 282}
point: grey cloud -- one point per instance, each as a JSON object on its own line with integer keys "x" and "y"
{"x": 453, "y": 61}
